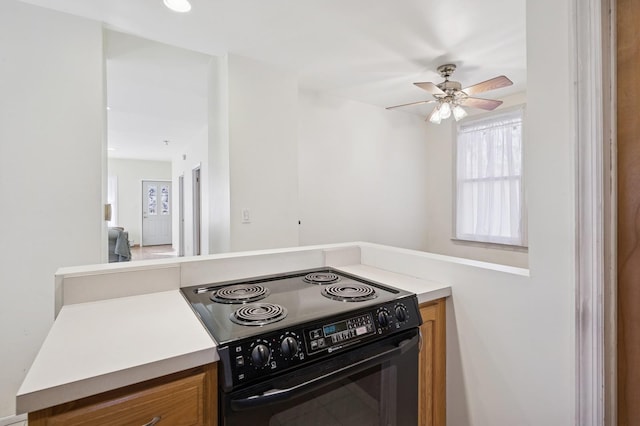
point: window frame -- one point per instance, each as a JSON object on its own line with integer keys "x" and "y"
{"x": 464, "y": 239}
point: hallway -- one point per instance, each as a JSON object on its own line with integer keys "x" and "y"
{"x": 153, "y": 252}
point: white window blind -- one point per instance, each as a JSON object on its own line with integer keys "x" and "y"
{"x": 489, "y": 198}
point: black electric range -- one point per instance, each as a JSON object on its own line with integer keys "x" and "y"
{"x": 269, "y": 325}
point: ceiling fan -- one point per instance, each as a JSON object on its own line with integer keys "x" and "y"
{"x": 451, "y": 97}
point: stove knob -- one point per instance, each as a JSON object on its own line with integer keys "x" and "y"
{"x": 383, "y": 318}
{"x": 260, "y": 355}
{"x": 289, "y": 347}
{"x": 401, "y": 313}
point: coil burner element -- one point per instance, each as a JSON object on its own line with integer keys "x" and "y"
{"x": 352, "y": 292}
{"x": 240, "y": 293}
{"x": 255, "y": 314}
{"x": 321, "y": 278}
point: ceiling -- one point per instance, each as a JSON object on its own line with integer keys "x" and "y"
{"x": 156, "y": 97}
{"x": 362, "y": 50}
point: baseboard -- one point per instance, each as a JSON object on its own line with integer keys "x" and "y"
{"x": 12, "y": 420}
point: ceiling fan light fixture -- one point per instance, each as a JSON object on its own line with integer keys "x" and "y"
{"x": 180, "y": 6}
{"x": 435, "y": 117}
{"x": 459, "y": 113}
{"x": 445, "y": 110}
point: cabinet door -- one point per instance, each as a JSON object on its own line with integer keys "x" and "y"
{"x": 432, "y": 365}
{"x": 184, "y": 401}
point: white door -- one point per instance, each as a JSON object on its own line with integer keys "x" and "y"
{"x": 156, "y": 213}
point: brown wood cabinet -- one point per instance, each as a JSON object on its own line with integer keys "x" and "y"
{"x": 188, "y": 398}
{"x": 432, "y": 365}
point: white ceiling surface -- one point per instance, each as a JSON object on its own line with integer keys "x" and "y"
{"x": 368, "y": 51}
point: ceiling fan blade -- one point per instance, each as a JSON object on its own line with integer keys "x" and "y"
{"x": 494, "y": 83}
{"x": 412, "y": 103}
{"x": 431, "y": 88}
{"x": 488, "y": 104}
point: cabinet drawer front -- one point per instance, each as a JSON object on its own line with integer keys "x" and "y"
{"x": 176, "y": 403}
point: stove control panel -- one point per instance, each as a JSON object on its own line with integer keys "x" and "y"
{"x": 338, "y": 333}
{"x": 251, "y": 359}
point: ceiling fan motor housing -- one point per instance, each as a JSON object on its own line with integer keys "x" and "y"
{"x": 450, "y": 87}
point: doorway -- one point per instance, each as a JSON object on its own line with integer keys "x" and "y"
{"x": 156, "y": 213}
{"x": 157, "y": 112}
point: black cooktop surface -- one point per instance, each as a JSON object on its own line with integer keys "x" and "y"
{"x": 244, "y": 308}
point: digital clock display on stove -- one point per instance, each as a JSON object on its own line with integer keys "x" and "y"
{"x": 339, "y": 332}
{"x": 334, "y": 328}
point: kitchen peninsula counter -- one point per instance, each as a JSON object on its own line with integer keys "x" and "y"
{"x": 121, "y": 325}
{"x": 98, "y": 346}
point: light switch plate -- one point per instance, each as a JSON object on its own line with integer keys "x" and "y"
{"x": 246, "y": 216}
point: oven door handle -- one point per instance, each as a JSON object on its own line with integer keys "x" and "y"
{"x": 278, "y": 395}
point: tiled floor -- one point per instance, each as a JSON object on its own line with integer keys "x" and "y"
{"x": 152, "y": 252}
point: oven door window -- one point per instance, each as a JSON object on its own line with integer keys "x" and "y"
{"x": 382, "y": 394}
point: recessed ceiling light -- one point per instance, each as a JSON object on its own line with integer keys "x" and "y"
{"x": 111, "y": 149}
{"x": 181, "y": 6}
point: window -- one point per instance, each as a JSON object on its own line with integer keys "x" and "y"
{"x": 489, "y": 187}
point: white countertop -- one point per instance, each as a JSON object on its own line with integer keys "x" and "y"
{"x": 426, "y": 290}
{"x": 102, "y": 345}
{"x": 98, "y": 346}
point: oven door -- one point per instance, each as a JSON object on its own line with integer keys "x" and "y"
{"x": 376, "y": 384}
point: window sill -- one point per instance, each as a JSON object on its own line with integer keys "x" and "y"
{"x": 485, "y": 244}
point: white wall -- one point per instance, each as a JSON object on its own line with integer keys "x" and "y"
{"x": 219, "y": 171}
{"x": 440, "y": 142}
{"x": 130, "y": 174}
{"x": 262, "y": 154}
{"x": 551, "y": 190}
{"x": 363, "y": 173}
{"x": 248, "y": 159}
{"x": 51, "y": 128}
